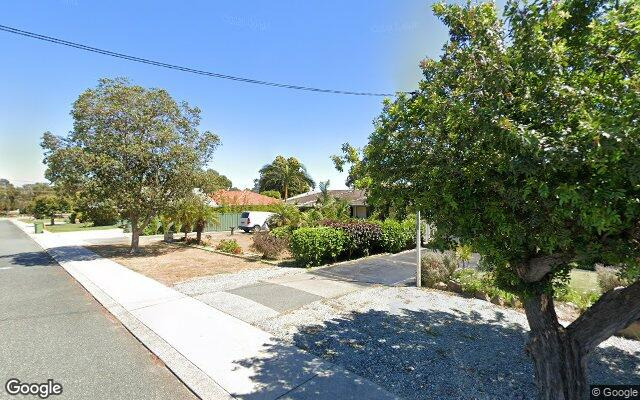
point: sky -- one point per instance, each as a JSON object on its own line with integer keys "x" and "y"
{"x": 357, "y": 45}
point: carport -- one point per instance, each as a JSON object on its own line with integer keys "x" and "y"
{"x": 390, "y": 270}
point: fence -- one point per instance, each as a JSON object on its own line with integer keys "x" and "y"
{"x": 226, "y": 221}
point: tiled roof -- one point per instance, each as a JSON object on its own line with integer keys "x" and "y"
{"x": 355, "y": 197}
{"x": 241, "y": 198}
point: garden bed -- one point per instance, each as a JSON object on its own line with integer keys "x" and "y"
{"x": 245, "y": 241}
{"x": 172, "y": 263}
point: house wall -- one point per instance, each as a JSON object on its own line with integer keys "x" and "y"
{"x": 359, "y": 211}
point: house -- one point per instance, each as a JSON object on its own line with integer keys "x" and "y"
{"x": 241, "y": 198}
{"x": 357, "y": 200}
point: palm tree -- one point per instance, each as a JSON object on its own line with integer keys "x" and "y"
{"x": 324, "y": 192}
{"x": 286, "y": 175}
{"x": 194, "y": 213}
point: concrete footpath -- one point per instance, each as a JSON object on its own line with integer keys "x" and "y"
{"x": 217, "y": 355}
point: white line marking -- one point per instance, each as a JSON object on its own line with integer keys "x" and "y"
{"x": 5, "y": 268}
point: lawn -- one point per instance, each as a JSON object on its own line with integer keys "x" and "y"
{"x": 30, "y": 220}
{"x": 584, "y": 281}
{"x": 76, "y": 227}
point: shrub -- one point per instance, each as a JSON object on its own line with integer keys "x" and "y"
{"x": 474, "y": 282}
{"x": 229, "y": 246}
{"x": 314, "y": 246}
{"x": 579, "y": 299}
{"x": 282, "y": 232}
{"x": 286, "y": 215}
{"x": 464, "y": 252}
{"x": 268, "y": 245}
{"x": 609, "y": 278}
{"x": 153, "y": 227}
{"x": 312, "y": 217}
{"x": 101, "y": 213}
{"x": 363, "y": 238}
{"x": 272, "y": 193}
{"x": 397, "y": 236}
{"x": 436, "y": 268}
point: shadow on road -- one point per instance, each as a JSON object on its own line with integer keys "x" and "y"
{"x": 28, "y": 259}
{"x": 433, "y": 355}
{"x": 42, "y": 258}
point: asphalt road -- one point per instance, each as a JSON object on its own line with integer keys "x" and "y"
{"x": 51, "y": 328}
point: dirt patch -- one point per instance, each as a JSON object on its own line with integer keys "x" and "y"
{"x": 173, "y": 263}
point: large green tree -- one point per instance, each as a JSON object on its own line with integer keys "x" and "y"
{"x": 210, "y": 181}
{"x": 523, "y": 141}
{"x": 48, "y": 206}
{"x": 286, "y": 175}
{"x": 9, "y": 196}
{"x": 134, "y": 146}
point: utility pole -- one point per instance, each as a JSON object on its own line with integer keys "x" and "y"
{"x": 418, "y": 256}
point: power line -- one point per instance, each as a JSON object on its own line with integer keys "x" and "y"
{"x": 181, "y": 68}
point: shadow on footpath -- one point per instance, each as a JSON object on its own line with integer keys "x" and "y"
{"x": 428, "y": 355}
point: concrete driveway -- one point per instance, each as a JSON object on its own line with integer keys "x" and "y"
{"x": 389, "y": 270}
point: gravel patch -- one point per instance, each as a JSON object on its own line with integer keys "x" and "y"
{"x": 223, "y": 282}
{"x": 427, "y": 344}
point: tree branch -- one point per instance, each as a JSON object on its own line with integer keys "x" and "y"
{"x": 615, "y": 310}
{"x": 536, "y": 268}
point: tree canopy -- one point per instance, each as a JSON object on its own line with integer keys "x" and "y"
{"x": 210, "y": 181}
{"x": 21, "y": 197}
{"x": 47, "y": 206}
{"x": 523, "y": 141}
{"x": 135, "y": 146}
{"x": 286, "y": 175}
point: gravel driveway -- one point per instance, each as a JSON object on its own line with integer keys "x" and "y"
{"x": 416, "y": 343}
{"x": 424, "y": 344}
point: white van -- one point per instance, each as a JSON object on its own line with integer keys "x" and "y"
{"x": 254, "y": 221}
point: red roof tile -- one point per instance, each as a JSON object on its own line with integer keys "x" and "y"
{"x": 242, "y": 198}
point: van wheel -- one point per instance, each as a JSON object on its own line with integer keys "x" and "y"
{"x": 257, "y": 228}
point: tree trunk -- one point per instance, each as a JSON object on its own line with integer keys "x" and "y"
{"x": 198, "y": 235}
{"x": 135, "y": 238}
{"x": 135, "y": 235}
{"x": 560, "y": 364}
{"x": 53, "y": 219}
{"x": 286, "y": 192}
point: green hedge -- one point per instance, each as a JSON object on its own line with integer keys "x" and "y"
{"x": 283, "y": 232}
{"x": 398, "y": 236}
{"x": 238, "y": 209}
{"x": 347, "y": 240}
{"x": 316, "y": 246}
{"x": 364, "y": 237}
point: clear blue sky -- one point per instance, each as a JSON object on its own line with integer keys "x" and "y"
{"x": 352, "y": 45}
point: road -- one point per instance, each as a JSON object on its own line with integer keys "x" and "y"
{"x": 51, "y": 328}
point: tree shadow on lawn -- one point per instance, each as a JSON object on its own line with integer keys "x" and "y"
{"x": 145, "y": 250}
{"x": 429, "y": 354}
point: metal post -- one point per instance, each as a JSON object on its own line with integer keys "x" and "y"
{"x": 418, "y": 256}
{"x": 427, "y": 234}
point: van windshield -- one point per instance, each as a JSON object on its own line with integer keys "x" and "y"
{"x": 245, "y": 215}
